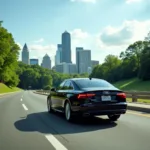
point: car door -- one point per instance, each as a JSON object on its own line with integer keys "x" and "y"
{"x": 63, "y": 94}
{"x": 57, "y": 96}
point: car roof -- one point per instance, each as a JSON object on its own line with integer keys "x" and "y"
{"x": 76, "y": 79}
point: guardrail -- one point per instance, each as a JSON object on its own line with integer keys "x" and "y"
{"x": 134, "y": 95}
{"x": 43, "y": 91}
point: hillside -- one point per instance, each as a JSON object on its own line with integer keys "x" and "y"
{"x": 133, "y": 84}
{"x": 6, "y": 89}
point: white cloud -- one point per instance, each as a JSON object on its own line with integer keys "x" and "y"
{"x": 113, "y": 40}
{"x": 132, "y": 1}
{"x": 39, "y": 47}
{"x": 125, "y": 34}
{"x": 86, "y": 1}
{"x": 39, "y": 41}
{"x": 78, "y": 33}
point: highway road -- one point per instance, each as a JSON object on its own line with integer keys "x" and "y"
{"x": 26, "y": 125}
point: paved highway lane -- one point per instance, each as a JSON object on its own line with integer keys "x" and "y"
{"x": 26, "y": 125}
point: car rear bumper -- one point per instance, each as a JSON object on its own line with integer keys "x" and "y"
{"x": 103, "y": 109}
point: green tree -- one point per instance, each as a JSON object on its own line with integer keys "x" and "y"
{"x": 9, "y": 52}
{"x": 135, "y": 49}
{"x": 46, "y": 80}
{"x": 144, "y": 72}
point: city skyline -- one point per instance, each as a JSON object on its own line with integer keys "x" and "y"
{"x": 63, "y": 53}
{"x": 103, "y": 26}
{"x": 63, "y": 60}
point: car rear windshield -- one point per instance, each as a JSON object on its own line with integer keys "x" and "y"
{"x": 85, "y": 83}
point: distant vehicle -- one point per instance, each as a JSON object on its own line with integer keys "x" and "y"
{"x": 87, "y": 97}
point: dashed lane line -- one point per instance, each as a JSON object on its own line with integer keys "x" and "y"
{"x": 56, "y": 144}
{"x": 24, "y": 106}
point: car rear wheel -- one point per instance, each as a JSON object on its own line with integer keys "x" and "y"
{"x": 49, "y": 106}
{"x": 114, "y": 117}
{"x": 68, "y": 112}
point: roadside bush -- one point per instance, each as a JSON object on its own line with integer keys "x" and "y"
{"x": 47, "y": 87}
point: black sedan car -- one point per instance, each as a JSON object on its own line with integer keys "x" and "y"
{"x": 87, "y": 97}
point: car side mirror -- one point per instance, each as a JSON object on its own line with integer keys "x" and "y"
{"x": 53, "y": 89}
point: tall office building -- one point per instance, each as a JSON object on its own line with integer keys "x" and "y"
{"x": 78, "y": 49}
{"x": 34, "y": 61}
{"x": 66, "y": 47}
{"x": 25, "y": 55}
{"x": 84, "y": 61}
{"x": 72, "y": 68}
{"x": 94, "y": 63}
{"x": 46, "y": 63}
{"x": 58, "y": 56}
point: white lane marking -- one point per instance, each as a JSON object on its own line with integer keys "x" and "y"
{"x": 57, "y": 145}
{"x": 21, "y": 99}
{"x": 24, "y": 106}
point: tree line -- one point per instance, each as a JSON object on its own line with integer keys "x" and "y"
{"x": 133, "y": 62}
{"x": 40, "y": 78}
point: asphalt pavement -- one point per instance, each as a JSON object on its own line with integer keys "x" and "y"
{"x": 26, "y": 125}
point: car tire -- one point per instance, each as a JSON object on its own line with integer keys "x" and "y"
{"x": 114, "y": 117}
{"x": 68, "y": 114}
{"x": 49, "y": 106}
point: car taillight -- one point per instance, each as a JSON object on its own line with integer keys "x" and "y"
{"x": 121, "y": 95}
{"x": 87, "y": 95}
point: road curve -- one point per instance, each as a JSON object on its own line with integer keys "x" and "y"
{"x": 26, "y": 125}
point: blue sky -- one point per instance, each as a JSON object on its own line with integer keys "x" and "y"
{"x": 104, "y": 26}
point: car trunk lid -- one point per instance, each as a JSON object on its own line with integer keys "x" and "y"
{"x": 104, "y": 95}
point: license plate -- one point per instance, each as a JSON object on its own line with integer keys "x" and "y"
{"x": 106, "y": 98}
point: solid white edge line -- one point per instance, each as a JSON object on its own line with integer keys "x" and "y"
{"x": 24, "y": 106}
{"x": 57, "y": 145}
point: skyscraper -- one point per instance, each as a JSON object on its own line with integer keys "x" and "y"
{"x": 84, "y": 61}
{"x": 78, "y": 49}
{"x": 58, "y": 55}
{"x": 46, "y": 63}
{"x": 25, "y": 55}
{"x": 66, "y": 47}
{"x": 34, "y": 61}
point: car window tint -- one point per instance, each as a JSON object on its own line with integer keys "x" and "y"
{"x": 66, "y": 85}
{"x": 60, "y": 87}
{"x": 71, "y": 86}
{"x": 87, "y": 83}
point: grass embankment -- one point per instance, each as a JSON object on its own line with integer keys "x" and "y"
{"x": 6, "y": 89}
{"x": 134, "y": 85}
